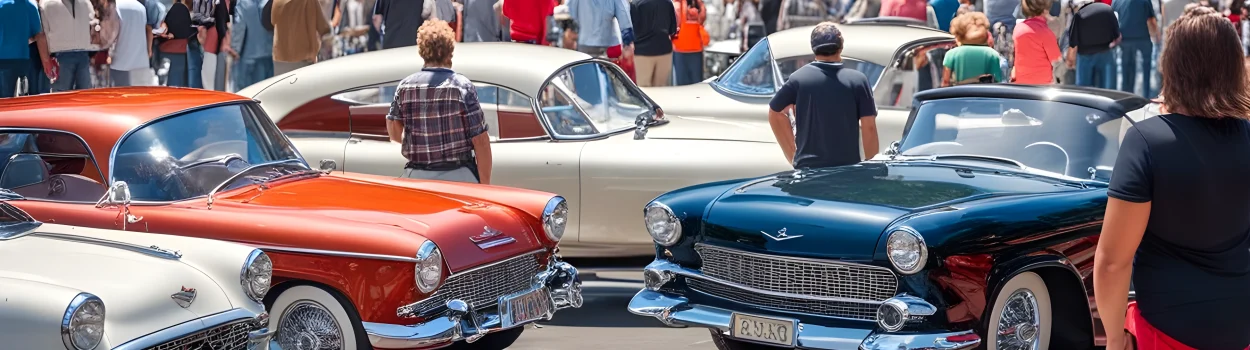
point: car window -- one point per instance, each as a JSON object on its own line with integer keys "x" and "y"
{"x": 788, "y": 65}
{"x": 187, "y": 155}
{"x": 752, "y": 73}
{"x": 508, "y": 112}
{"x": 49, "y": 165}
{"x": 590, "y": 99}
{"x": 916, "y": 69}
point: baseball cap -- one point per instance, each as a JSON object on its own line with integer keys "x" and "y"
{"x": 826, "y": 34}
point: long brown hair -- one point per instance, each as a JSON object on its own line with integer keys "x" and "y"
{"x": 1204, "y": 72}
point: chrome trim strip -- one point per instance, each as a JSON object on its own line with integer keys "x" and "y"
{"x": 187, "y": 328}
{"x": 152, "y": 250}
{"x": 94, "y": 161}
{"x": 338, "y": 253}
{"x": 799, "y": 259}
{"x": 496, "y": 243}
{"x": 662, "y": 265}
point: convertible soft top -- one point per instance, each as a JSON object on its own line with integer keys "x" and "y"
{"x": 1113, "y": 101}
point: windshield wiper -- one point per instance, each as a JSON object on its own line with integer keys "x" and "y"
{"x": 240, "y": 174}
{"x": 980, "y": 157}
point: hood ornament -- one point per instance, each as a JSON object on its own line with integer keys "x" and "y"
{"x": 781, "y": 235}
{"x": 491, "y": 238}
{"x": 185, "y": 297}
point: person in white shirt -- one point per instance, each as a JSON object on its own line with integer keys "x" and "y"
{"x": 132, "y": 51}
{"x": 67, "y": 25}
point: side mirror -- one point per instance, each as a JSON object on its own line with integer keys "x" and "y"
{"x": 328, "y": 165}
{"x": 1100, "y": 172}
{"x": 893, "y": 150}
{"x": 118, "y": 194}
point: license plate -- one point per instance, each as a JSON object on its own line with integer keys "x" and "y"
{"x": 525, "y": 307}
{"x": 761, "y": 329}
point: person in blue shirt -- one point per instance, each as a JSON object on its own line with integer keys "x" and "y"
{"x": 1138, "y": 31}
{"x": 254, "y": 56}
{"x": 944, "y": 10}
{"x": 598, "y": 22}
{"x": 19, "y": 24}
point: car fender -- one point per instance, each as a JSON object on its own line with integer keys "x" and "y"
{"x": 1010, "y": 267}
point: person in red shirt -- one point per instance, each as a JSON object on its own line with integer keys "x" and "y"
{"x": 528, "y": 20}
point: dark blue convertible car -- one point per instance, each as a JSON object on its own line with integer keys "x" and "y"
{"x": 977, "y": 230}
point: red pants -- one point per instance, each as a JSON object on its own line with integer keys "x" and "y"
{"x": 1149, "y": 338}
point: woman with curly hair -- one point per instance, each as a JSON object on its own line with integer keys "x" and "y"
{"x": 1176, "y": 223}
{"x": 436, "y": 115}
{"x": 973, "y": 61}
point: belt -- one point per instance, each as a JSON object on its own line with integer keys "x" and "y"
{"x": 440, "y": 166}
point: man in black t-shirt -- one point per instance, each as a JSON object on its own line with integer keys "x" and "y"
{"x": 832, "y": 105}
{"x": 1093, "y": 32}
{"x": 400, "y": 20}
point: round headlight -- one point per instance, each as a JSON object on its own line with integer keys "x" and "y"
{"x": 662, "y": 224}
{"x": 82, "y": 328}
{"x": 257, "y": 275}
{"x": 555, "y": 218}
{"x": 907, "y": 250}
{"x": 892, "y": 315}
{"x": 429, "y": 267}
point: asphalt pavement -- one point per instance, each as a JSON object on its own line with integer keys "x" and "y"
{"x": 602, "y": 323}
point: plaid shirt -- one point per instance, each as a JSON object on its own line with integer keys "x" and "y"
{"x": 441, "y": 115}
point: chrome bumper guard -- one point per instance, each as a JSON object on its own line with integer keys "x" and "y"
{"x": 457, "y": 321}
{"x": 677, "y": 311}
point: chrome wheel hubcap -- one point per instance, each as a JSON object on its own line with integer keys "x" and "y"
{"x": 306, "y": 325}
{"x": 1020, "y": 323}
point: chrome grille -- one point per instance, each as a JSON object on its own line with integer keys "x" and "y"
{"x": 809, "y": 283}
{"x": 229, "y": 336}
{"x": 482, "y": 287}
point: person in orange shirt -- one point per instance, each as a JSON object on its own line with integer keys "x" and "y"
{"x": 689, "y": 42}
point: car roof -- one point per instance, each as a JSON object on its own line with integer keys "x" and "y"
{"x": 102, "y": 116}
{"x": 870, "y": 40}
{"x": 1114, "y": 101}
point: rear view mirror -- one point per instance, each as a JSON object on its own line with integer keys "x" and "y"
{"x": 118, "y": 194}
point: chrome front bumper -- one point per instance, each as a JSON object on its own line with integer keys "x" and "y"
{"x": 678, "y": 311}
{"x": 459, "y": 322}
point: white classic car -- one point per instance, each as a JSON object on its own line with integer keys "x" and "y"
{"x": 82, "y": 288}
{"x": 559, "y": 122}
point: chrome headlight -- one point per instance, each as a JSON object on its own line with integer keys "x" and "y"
{"x": 555, "y": 218}
{"x": 257, "y": 275}
{"x": 662, "y": 224}
{"x": 907, "y": 250}
{"x": 82, "y": 327}
{"x": 429, "y": 267}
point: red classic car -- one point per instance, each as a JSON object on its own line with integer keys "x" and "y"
{"x": 359, "y": 261}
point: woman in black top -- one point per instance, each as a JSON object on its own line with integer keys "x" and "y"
{"x": 1180, "y": 201}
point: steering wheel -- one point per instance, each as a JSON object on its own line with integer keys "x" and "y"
{"x": 938, "y": 147}
{"x": 1044, "y": 144}
{"x": 216, "y": 149}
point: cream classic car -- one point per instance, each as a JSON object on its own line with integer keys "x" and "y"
{"x": 559, "y": 122}
{"x": 899, "y": 56}
{"x": 82, "y": 288}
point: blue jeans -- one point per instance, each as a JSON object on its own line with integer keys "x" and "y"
{"x": 1130, "y": 53}
{"x": 250, "y": 71}
{"x": 75, "y": 71}
{"x": 37, "y": 81}
{"x": 178, "y": 73}
{"x": 9, "y": 76}
{"x": 195, "y": 63}
{"x": 1096, "y": 70}
{"x": 687, "y": 67}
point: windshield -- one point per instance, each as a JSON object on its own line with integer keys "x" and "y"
{"x": 752, "y": 73}
{"x": 591, "y": 99}
{"x": 1061, "y": 138}
{"x": 187, "y": 155}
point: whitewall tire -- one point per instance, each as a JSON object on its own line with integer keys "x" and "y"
{"x": 1021, "y": 318}
{"x": 309, "y": 317}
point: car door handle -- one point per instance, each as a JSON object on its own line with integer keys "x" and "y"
{"x": 353, "y": 140}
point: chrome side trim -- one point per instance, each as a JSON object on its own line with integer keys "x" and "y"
{"x": 338, "y": 253}
{"x": 800, "y": 259}
{"x": 662, "y": 266}
{"x": 496, "y": 243}
{"x": 186, "y": 328}
{"x": 152, "y": 250}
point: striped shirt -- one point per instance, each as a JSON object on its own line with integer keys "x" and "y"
{"x": 441, "y": 115}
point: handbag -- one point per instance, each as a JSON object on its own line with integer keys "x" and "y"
{"x": 614, "y": 56}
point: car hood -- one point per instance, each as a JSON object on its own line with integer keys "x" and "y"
{"x": 136, "y": 287}
{"x": 706, "y": 128}
{"x": 841, "y": 212}
{"x": 360, "y": 203}
{"x": 703, "y": 100}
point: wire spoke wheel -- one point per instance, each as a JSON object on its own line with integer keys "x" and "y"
{"x": 307, "y": 325}
{"x": 1020, "y": 323}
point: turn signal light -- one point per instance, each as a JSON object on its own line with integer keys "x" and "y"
{"x": 963, "y": 338}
